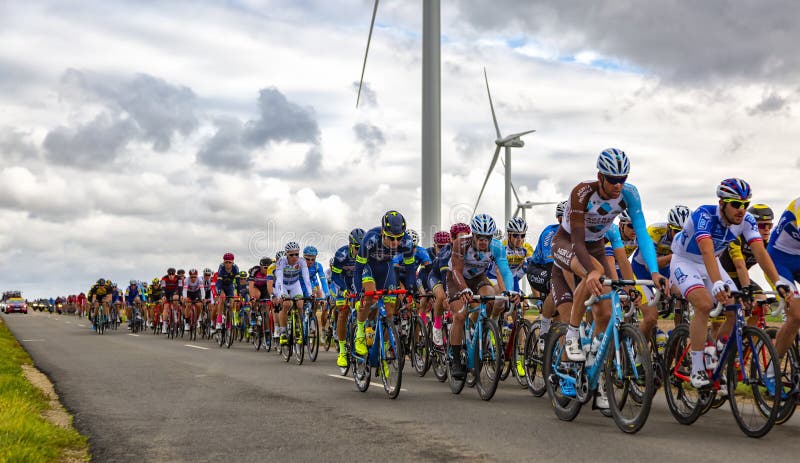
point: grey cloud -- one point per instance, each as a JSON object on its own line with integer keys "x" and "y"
{"x": 371, "y": 137}
{"x": 312, "y": 164}
{"x": 734, "y": 145}
{"x": 281, "y": 121}
{"x": 368, "y": 95}
{"x": 159, "y": 109}
{"x": 15, "y": 146}
{"x": 770, "y": 103}
{"x": 93, "y": 144}
{"x": 224, "y": 150}
{"x": 679, "y": 41}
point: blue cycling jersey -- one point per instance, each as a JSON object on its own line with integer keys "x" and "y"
{"x": 317, "y": 276}
{"x": 374, "y": 253}
{"x": 706, "y": 223}
{"x": 543, "y": 254}
{"x": 344, "y": 264}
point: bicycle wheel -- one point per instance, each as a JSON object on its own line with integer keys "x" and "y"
{"x": 790, "y": 375}
{"x": 230, "y": 332}
{"x": 456, "y": 385}
{"x": 629, "y": 415}
{"x": 313, "y": 338}
{"x": 391, "y": 371}
{"x": 506, "y": 360}
{"x": 754, "y": 409}
{"x": 684, "y": 401}
{"x": 534, "y": 369}
{"x": 518, "y": 354}
{"x": 565, "y": 407}
{"x": 298, "y": 342}
{"x": 489, "y": 365}
{"x": 420, "y": 354}
{"x": 286, "y": 349}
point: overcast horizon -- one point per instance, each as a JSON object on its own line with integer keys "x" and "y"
{"x": 135, "y": 136}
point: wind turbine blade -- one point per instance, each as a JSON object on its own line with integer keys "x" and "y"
{"x": 366, "y": 52}
{"x": 488, "y": 174}
{"x": 530, "y": 203}
{"x": 516, "y": 135}
{"x": 494, "y": 118}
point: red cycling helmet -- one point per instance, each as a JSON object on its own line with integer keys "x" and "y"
{"x": 459, "y": 228}
{"x": 442, "y": 238}
{"x": 193, "y": 272}
{"x": 228, "y": 257}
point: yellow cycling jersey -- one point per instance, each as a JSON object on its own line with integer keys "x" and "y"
{"x": 516, "y": 257}
{"x": 271, "y": 272}
{"x": 658, "y": 234}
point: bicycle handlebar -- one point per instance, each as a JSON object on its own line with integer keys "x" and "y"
{"x": 379, "y": 293}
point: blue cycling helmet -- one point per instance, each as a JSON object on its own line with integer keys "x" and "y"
{"x": 309, "y": 251}
{"x": 356, "y": 236}
{"x": 483, "y": 224}
{"x": 734, "y": 188}
{"x": 613, "y": 162}
{"x": 393, "y": 224}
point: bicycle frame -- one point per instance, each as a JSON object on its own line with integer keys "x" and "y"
{"x": 377, "y": 350}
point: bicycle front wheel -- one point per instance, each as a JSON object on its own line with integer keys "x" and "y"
{"x": 488, "y": 367}
{"x": 790, "y": 373}
{"x": 684, "y": 401}
{"x": 313, "y": 338}
{"x": 534, "y": 368}
{"x": 391, "y": 368}
{"x": 518, "y": 355}
{"x": 634, "y": 371}
{"x": 754, "y": 407}
{"x": 297, "y": 342}
{"x": 565, "y": 405}
{"x": 420, "y": 354}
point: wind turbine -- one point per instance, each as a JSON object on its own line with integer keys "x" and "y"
{"x": 511, "y": 141}
{"x": 431, "y": 158}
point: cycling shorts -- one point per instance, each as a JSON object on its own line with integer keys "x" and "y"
{"x": 382, "y": 274}
{"x": 292, "y": 289}
{"x": 474, "y": 284}
{"x": 193, "y": 296}
{"x": 688, "y": 275}
{"x": 539, "y": 277}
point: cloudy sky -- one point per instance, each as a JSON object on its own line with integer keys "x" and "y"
{"x": 140, "y": 135}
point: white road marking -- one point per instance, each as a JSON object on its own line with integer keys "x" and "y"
{"x": 81, "y": 324}
{"x": 196, "y": 347}
{"x": 131, "y": 334}
{"x": 32, "y": 340}
{"x": 350, "y": 378}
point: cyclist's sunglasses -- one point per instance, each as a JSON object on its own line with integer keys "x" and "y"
{"x": 615, "y": 180}
{"x": 311, "y": 259}
{"x": 736, "y": 204}
{"x": 483, "y": 237}
{"x": 764, "y": 225}
{"x": 294, "y": 254}
{"x": 516, "y": 235}
{"x": 675, "y": 229}
{"x": 628, "y": 225}
{"x": 393, "y": 237}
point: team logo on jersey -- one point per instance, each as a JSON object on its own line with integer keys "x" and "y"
{"x": 680, "y": 276}
{"x": 702, "y": 223}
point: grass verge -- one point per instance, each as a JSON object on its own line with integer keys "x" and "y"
{"x": 25, "y": 436}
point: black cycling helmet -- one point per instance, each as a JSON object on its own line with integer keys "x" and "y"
{"x": 171, "y": 271}
{"x": 393, "y": 224}
{"x": 101, "y": 281}
{"x": 265, "y": 262}
{"x": 761, "y": 212}
{"x": 356, "y": 236}
{"x": 181, "y": 271}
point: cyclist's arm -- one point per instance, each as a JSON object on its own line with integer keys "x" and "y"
{"x": 646, "y": 246}
{"x": 506, "y": 280}
{"x": 306, "y": 277}
{"x": 322, "y": 280}
{"x": 337, "y": 276}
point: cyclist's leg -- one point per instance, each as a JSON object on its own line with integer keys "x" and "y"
{"x": 693, "y": 282}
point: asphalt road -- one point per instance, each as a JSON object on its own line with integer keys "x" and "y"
{"x": 147, "y": 398}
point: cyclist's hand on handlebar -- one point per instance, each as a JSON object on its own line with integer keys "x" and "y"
{"x": 784, "y": 287}
{"x": 513, "y": 296}
{"x": 720, "y": 291}
{"x": 466, "y": 296}
{"x": 593, "y": 283}
{"x": 661, "y": 283}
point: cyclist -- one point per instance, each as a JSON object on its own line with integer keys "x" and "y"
{"x": 226, "y": 273}
{"x": 517, "y": 249}
{"x": 738, "y": 258}
{"x": 342, "y": 270}
{"x": 440, "y": 240}
{"x": 242, "y": 288}
{"x": 154, "y": 294}
{"x": 169, "y": 283}
{"x": 319, "y": 284}
{"x": 133, "y": 297}
{"x": 258, "y": 279}
{"x": 194, "y": 293}
{"x": 695, "y": 268}
{"x": 437, "y": 280}
{"x": 538, "y": 270}
{"x": 374, "y": 270}
{"x": 579, "y": 247}
{"x": 421, "y": 258}
{"x": 208, "y": 284}
{"x": 470, "y": 258}
{"x": 784, "y": 250}
{"x": 288, "y": 271}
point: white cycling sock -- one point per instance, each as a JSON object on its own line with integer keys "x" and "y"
{"x": 572, "y": 332}
{"x": 698, "y": 363}
{"x": 544, "y": 326}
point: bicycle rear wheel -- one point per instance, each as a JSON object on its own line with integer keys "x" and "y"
{"x": 230, "y": 332}
{"x": 790, "y": 375}
{"x": 684, "y": 401}
{"x": 391, "y": 368}
{"x": 754, "y": 409}
{"x": 520, "y": 338}
{"x": 565, "y": 407}
{"x": 297, "y": 342}
{"x": 534, "y": 368}
{"x": 488, "y": 366}
{"x": 420, "y": 354}
{"x": 630, "y": 415}
{"x": 313, "y": 338}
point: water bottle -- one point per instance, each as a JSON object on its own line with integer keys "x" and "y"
{"x": 370, "y": 333}
{"x": 710, "y": 356}
{"x": 661, "y": 341}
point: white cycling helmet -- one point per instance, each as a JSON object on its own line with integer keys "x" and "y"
{"x": 677, "y": 216}
{"x": 516, "y": 225}
{"x": 613, "y": 162}
{"x": 483, "y": 224}
{"x": 560, "y": 208}
{"x": 414, "y": 236}
{"x": 292, "y": 246}
{"x": 624, "y": 217}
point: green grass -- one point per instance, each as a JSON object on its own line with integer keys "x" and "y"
{"x": 24, "y": 435}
